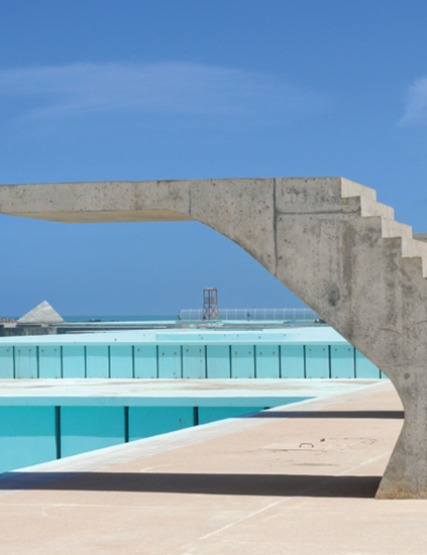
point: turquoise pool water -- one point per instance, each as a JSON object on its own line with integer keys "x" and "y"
{"x": 35, "y": 434}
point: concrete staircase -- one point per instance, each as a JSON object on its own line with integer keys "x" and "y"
{"x": 385, "y": 317}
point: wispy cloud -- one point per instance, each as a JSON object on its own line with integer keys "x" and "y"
{"x": 191, "y": 88}
{"x": 416, "y": 103}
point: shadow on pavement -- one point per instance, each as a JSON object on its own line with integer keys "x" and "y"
{"x": 386, "y": 414}
{"x": 212, "y": 484}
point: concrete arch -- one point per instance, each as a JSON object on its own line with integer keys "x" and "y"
{"x": 326, "y": 239}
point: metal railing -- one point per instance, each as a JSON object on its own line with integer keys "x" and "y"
{"x": 249, "y": 314}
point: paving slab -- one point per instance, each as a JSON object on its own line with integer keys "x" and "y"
{"x": 167, "y": 392}
{"x": 299, "y": 479}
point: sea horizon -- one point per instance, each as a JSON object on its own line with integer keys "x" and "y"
{"x": 113, "y": 318}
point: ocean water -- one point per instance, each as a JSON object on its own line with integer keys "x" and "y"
{"x": 149, "y": 318}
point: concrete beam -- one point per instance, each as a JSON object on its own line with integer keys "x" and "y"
{"x": 326, "y": 239}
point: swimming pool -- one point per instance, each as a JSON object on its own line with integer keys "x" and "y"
{"x": 310, "y": 352}
{"x": 40, "y": 428}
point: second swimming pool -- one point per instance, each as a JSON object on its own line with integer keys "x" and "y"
{"x": 39, "y": 429}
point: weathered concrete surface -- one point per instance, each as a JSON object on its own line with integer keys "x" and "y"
{"x": 242, "y": 486}
{"x": 327, "y": 239}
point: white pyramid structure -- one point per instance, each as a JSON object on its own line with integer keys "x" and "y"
{"x": 41, "y": 314}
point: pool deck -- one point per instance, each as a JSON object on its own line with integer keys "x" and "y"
{"x": 134, "y": 392}
{"x": 299, "y": 479}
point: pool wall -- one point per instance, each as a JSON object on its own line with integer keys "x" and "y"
{"x": 40, "y": 433}
{"x": 290, "y": 353}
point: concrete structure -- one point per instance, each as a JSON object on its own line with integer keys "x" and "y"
{"x": 327, "y": 239}
{"x": 43, "y": 313}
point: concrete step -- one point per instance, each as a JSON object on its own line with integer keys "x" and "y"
{"x": 420, "y": 236}
{"x": 412, "y": 248}
{"x": 415, "y": 249}
{"x": 353, "y": 189}
{"x": 391, "y": 228}
{"x": 413, "y": 252}
{"x": 415, "y": 265}
{"x": 370, "y": 207}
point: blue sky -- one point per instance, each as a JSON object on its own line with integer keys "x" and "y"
{"x": 180, "y": 89}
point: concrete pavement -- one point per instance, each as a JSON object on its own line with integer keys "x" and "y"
{"x": 210, "y": 392}
{"x": 298, "y": 480}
